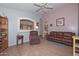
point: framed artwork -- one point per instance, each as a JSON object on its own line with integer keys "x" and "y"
{"x": 46, "y": 28}
{"x": 60, "y": 21}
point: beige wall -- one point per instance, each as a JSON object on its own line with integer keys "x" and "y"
{"x": 70, "y": 12}
{"x": 78, "y": 19}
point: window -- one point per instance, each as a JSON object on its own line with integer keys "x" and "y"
{"x": 26, "y": 24}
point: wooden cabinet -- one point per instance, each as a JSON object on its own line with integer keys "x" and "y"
{"x": 75, "y": 45}
{"x": 3, "y": 33}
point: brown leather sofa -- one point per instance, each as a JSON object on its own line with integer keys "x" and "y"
{"x": 61, "y": 37}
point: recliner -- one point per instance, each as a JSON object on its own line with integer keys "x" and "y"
{"x": 34, "y": 38}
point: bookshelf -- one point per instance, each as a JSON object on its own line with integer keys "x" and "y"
{"x": 3, "y": 33}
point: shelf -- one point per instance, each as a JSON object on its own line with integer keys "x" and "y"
{"x": 77, "y": 45}
{"x": 76, "y": 54}
{"x": 3, "y": 33}
{"x": 76, "y": 37}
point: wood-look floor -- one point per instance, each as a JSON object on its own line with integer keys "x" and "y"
{"x": 45, "y": 48}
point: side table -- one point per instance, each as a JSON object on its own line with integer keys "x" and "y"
{"x": 20, "y": 37}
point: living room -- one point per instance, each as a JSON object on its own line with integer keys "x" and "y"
{"x": 46, "y": 17}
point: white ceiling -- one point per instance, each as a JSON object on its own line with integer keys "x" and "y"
{"x": 29, "y": 7}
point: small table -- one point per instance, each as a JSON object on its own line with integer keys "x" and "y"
{"x": 20, "y": 37}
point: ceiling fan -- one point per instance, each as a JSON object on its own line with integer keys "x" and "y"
{"x": 42, "y": 6}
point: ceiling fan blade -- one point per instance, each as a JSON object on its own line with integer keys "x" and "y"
{"x": 38, "y": 10}
{"x": 48, "y": 7}
{"x": 45, "y": 4}
{"x": 36, "y": 5}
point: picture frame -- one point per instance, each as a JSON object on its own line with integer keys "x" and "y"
{"x": 60, "y": 21}
{"x": 46, "y": 27}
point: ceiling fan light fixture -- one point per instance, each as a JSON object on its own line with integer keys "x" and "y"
{"x": 43, "y": 6}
